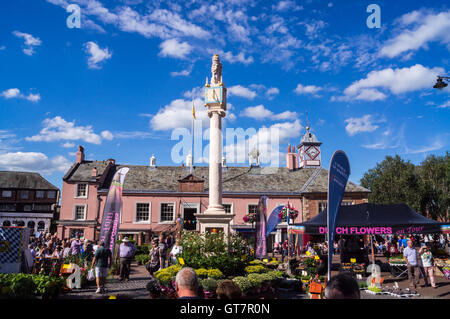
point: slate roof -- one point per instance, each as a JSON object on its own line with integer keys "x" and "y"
{"x": 81, "y": 172}
{"x": 267, "y": 180}
{"x": 24, "y": 180}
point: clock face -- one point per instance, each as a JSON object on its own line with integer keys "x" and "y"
{"x": 312, "y": 152}
{"x": 213, "y": 95}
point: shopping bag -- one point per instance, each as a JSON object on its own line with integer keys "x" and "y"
{"x": 91, "y": 275}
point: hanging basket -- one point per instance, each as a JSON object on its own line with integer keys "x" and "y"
{"x": 249, "y": 218}
{"x": 293, "y": 213}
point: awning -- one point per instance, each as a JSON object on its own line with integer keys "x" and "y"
{"x": 376, "y": 219}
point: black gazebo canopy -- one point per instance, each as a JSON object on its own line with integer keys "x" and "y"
{"x": 361, "y": 219}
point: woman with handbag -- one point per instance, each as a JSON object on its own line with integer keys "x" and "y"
{"x": 153, "y": 265}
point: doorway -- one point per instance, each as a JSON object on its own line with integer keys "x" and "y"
{"x": 190, "y": 221}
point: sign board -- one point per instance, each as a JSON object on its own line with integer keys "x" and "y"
{"x": 181, "y": 261}
{"x": 337, "y": 180}
{"x": 353, "y": 260}
{"x": 13, "y": 241}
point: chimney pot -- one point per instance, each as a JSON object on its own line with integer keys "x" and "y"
{"x": 79, "y": 158}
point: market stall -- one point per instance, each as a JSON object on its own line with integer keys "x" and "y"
{"x": 374, "y": 219}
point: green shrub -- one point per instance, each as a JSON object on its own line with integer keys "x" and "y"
{"x": 28, "y": 285}
{"x": 256, "y": 262}
{"x": 163, "y": 277}
{"x": 142, "y": 250}
{"x": 201, "y": 272}
{"x": 22, "y": 285}
{"x": 374, "y": 289}
{"x": 256, "y": 279}
{"x": 215, "y": 273}
{"x": 209, "y": 284}
{"x": 243, "y": 282}
{"x": 255, "y": 269}
{"x": 212, "y": 250}
{"x": 166, "y": 275}
{"x": 142, "y": 259}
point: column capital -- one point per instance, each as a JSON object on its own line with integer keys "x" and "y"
{"x": 217, "y": 110}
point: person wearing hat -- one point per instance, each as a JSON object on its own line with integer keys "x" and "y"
{"x": 126, "y": 254}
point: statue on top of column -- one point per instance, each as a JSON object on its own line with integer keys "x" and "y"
{"x": 216, "y": 70}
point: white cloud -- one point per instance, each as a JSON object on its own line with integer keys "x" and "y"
{"x": 231, "y": 58}
{"x": 181, "y": 73}
{"x": 57, "y": 128}
{"x": 308, "y": 89}
{"x": 33, "y": 97}
{"x": 97, "y": 55}
{"x": 15, "y": 93}
{"x": 430, "y": 27}
{"x": 107, "y": 135}
{"x": 267, "y": 140}
{"x": 271, "y": 92}
{"x": 241, "y": 91}
{"x": 445, "y": 105}
{"x": 259, "y": 112}
{"x": 436, "y": 145}
{"x": 68, "y": 145}
{"x": 359, "y": 125}
{"x": 195, "y": 93}
{"x": 30, "y": 42}
{"x": 178, "y": 24}
{"x": 177, "y": 114}
{"x": 11, "y": 93}
{"x": 286, "y": 5}
{"x": 175, "y": 48}
{"x": 34, "y": 162}
{"x": 397, "y": 81}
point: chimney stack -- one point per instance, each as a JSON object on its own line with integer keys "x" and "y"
{"x": 291, "y": 159}
{"x": 80, "y": 155}
{"x": 94, "y": 172}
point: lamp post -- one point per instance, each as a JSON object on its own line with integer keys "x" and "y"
{"x": 440, "y": 84}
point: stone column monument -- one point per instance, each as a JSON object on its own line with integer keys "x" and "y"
{"x": 215, "y": 218}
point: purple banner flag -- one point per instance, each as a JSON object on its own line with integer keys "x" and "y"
{"x": 112, "y": 210}
{"x": 261, "y": 249}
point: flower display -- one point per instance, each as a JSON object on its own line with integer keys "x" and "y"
{"x": 250, "y": 217}
{"x": 293, "y": 213}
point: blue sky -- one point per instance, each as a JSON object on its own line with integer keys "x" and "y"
{"x": 126, "y": 79}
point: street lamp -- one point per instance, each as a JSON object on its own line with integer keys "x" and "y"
{"x": 440, "y": 84}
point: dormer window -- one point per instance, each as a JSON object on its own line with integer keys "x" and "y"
{"x": 81, "y": 191}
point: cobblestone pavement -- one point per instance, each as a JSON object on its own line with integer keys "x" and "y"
{"x": 133, "y": 289}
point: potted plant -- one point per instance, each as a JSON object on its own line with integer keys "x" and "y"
{"x": 209, "y": 286}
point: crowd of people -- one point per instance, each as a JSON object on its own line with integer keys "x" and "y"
{"x": 165, "y": 250}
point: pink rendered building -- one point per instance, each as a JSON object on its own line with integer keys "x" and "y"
{"x": 154, "y": 195}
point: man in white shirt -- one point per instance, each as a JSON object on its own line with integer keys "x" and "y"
{"x": 410, "y": 256}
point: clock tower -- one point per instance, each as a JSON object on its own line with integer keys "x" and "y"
{"x": 309, "y": 151}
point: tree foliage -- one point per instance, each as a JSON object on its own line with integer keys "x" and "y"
{"x": 425, "y": 188}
